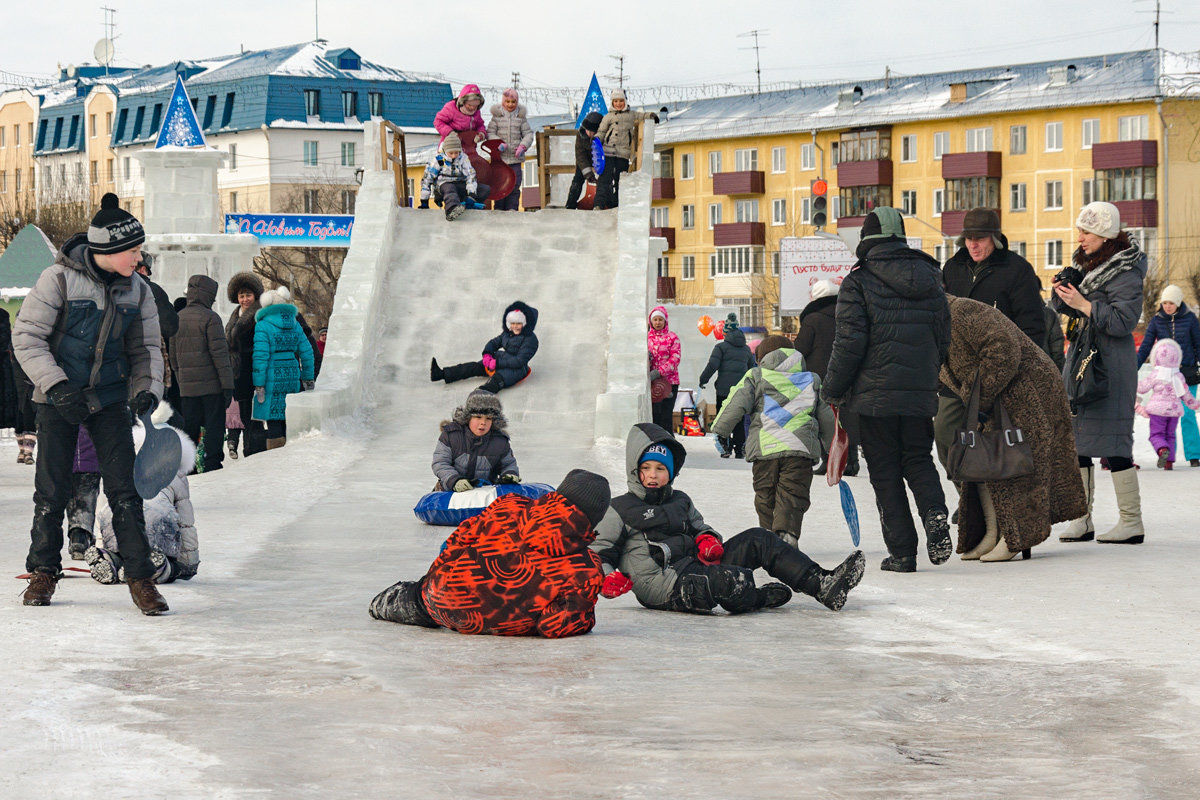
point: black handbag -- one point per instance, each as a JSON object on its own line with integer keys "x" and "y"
{"x": 1191, "y": 374}
{"x": 978, "y": 456}
{"x": 1086, "y": 376}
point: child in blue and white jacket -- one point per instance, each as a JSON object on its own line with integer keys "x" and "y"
{"x": 452, "y": 177}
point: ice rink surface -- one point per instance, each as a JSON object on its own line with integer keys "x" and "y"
{"x": 1072, "y": 675}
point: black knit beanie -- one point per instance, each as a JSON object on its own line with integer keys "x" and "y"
{"x": 592, "y": 121}
{"x": 113, "y": 229}
{"x": 588, "y": 492}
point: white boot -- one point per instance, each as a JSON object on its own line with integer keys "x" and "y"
{"x": 1082, "y": 529}
{"x": 991, "y": 533}
{"x": 1129, "y": 529}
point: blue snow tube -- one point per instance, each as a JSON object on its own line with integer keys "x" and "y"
{"x": 453, "y": 508}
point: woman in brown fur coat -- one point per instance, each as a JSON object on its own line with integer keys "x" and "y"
{"x": 999, "y": 519}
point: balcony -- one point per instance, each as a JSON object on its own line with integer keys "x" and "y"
{"x": 749, "y": 182}
{"x": 665, "y": 233}
{"x": 952, "y": 221}
{"x": 531, "y": 197}
{"x": 1122, "y": 155}
{"x": 732, "y": 234}
{"x": 662, "y": 189}
{"x": 967, "y": 165}
{"x": 666, "y": 289}
{"x": 850, "y": 222}
{"x": 1138, "y": 213}
{"x": 865, "y": 173}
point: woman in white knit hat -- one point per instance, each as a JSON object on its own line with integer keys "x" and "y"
{"x": 1105, "y": 293}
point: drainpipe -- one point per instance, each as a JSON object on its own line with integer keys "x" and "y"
{"x": 1166, "y": 203}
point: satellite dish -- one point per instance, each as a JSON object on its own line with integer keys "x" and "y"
{"x": 104, "y": 52}
{"x": 71, "y": 70}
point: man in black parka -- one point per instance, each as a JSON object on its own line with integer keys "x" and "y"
{"x": 984, "y": 269}
{"x": 892, "y": 334}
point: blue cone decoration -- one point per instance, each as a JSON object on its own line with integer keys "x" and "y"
{"x": 180, "y": 127}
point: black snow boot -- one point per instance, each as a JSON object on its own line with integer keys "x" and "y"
{"x": 830, "y": 587}
{"x": 937, "y": 536}
{"x": 79, "y": 541}
{"x": 899, "y": 564}
{"x": 401, "y": 602}
{"x": 435, "y": 372}
{"x": 494, "y": 384}
{"x": 774, "y": 595}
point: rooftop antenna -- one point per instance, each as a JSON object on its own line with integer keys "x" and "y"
{"x": 316, "y": 20}
{"x": 105, "y": 49}
{"x": 516, "y": 79}
{"x": 620, "y": 77}
{"x": 757, "y": 63}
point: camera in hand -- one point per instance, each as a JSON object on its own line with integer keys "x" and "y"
{"x": 1071, "y": 275}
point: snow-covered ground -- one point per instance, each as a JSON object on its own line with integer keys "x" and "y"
{"x": 1073, "y": 674}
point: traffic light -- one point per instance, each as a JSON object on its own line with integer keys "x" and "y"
{"x": 820, "y": 202}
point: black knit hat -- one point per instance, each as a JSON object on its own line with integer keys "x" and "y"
{"x": 113, "y": 229}
{"x": 592, "y": 121}
{"x": 588, "y": 492}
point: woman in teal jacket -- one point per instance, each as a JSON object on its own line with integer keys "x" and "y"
{"x": 283, "y": 363}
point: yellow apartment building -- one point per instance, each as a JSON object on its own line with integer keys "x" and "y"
{"x": 1034, "y": 142}
{"x": 18, "y": 117}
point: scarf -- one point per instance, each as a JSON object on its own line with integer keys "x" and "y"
{"x": 1122, "y": 260}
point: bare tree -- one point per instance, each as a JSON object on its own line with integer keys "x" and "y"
{"x": 60, "y": 213}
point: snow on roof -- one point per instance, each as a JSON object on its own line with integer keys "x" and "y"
{"x": 1092, "y": 80}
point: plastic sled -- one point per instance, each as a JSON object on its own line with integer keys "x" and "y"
{"x": 849, "y": 511}
{"x": 597, "y": 157}
{"x": 587, "y": 199}
{"x": 158, "y": 461}
{"x": 453, "y": 508}
{"x": 490, "y": 168}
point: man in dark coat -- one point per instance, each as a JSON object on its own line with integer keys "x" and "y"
{"x": 200, "y": 360}
{"x": 730, "y": 360}
{"x": 984, "y": 269}
{"x": 893, "y": 332}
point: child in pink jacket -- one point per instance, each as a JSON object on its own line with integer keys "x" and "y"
{"x": 1165, "y": 391}
{"x": 461, "y": 115}
{"x": 664, "y": 360}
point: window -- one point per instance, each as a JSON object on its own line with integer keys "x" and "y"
{"x": 310, "y": 153}
{"x": 866, "y": 146}
{"x": 349, "y": 198}
{"x": 1054, "y": 252}
{"x": 74, "y": 130}
{"x": 775, "y": 266}
{"x": 963, "y": 194}
{"x": 108, "y": 171}
{"x": 233, "y": 156}
{"x": 1054, "y": 137}
{"x": 62, "y": 174}
{"x": 226, "y": 109}
{"x": 908, "y": 202}
{"x": 91, "y": 126}
{"x": 17, "y": 179}
{"x": 210, "y": 109}
{"x": 1016, "y": 197}
{"x": 664, "y": 266}
{"x": 746, "y": 210}
{"x": 531, "y": 174}
{"x": 1054, "y": 195}
{"x": 156, "y": 119}
{"x": 1017, "y": 134}
{"x": 350, "y": 105}
{"x": 664, "y": 164}
{"x": 1088, "y": 191}
{"x": 745, "y": 160}
{"x": 688, "y": 213}
{"x": 138, "y": 118}
{"x": 1131, "y": 129}
{"x": 688, "y": 268}
{"x": 1130, "y": 183}
{"x": 778, "y": 159}
{"x": 1018, "y": 248}
{"x": 979, "y": 140}
{"x": 312, "y": 102}
{"x": 233, "y": 202}
{"x": 1090, "y": 134}
{"x": 107, "y": 122}
{"x": 805, "y": 210}
{"x": 908, "y": 148}
{"x": 808, "y": 156}
{"x": 714, "y": 214}
{"x": 714, "y": 162}
{"x": 2, "y": 132}
{"x": 939, "y": 201}
{"x": 312, "y": 202}
{"x": 348, "y": 154}
{"x": 712, "y": 265}
{"x": 835, "y": 207}
{"x": 375, "y": 103}
{"x": 687, "y": 166}
{"x": 17, "y": 135}
{"x": 779, "y": 212}
{"x": 660, "y": 217}
{"x": 739, "y": 261}
{"x": 3, "y": 182}
{"x": 941, "y": 144}
{"x": 94, "y": 172}
{"x": 835, "y": 154}
{"x": 858, "y": 201}
{"x": 939, "y": 253}
{"x": 120, "y": 125}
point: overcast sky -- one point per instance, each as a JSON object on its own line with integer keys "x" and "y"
{"x": 685, "y": 42}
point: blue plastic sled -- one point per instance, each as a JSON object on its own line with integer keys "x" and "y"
{"x": 849, "y": 511}
{"x": 597, "y": 157}
{"x": 453, "y": 508}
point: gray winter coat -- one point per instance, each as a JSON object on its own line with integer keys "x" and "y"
{"x": 110, "y": 344}
{"x": 652, "y": 562}
{"x": 617, "y": 131}
{"x": 1105, "y": 428}
{"x": 513, "y": 128}
{"x": 461, "y": 454}
{"x": 199, "y": 351}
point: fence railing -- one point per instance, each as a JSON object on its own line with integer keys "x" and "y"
{"x": 394, "y": 153}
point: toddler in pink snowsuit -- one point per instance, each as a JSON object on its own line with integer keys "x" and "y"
{"x": 1165, "y": 391}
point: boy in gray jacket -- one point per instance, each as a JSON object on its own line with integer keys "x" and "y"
{"x": 88, "y": 338}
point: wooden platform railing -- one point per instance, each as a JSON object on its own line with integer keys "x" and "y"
{"x": 545, "y": 169}
{"x": 393, "y": 152}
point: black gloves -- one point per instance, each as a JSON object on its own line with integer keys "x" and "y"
{"x": 308, "y": 386}
{"x": 143, "y": 401}
{"x": 424, "y": 203}
{"x": 509, "y": 477}
{"x": 227, "y": 394}
{"x": 69, "y": 403}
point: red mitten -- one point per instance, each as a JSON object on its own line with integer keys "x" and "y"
{"x": 615, "y": 585}
{"x": 709, "y": 548}
{"x": 489, "y": 362}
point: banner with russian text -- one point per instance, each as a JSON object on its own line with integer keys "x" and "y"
{"x": 294, "y": 230}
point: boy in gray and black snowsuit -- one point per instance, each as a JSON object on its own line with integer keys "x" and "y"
{"x": 654, "y": 541}
{"x": 451, "y": 179}
{"x": 473, "y": 448}
{"x": 88, "y": 338}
